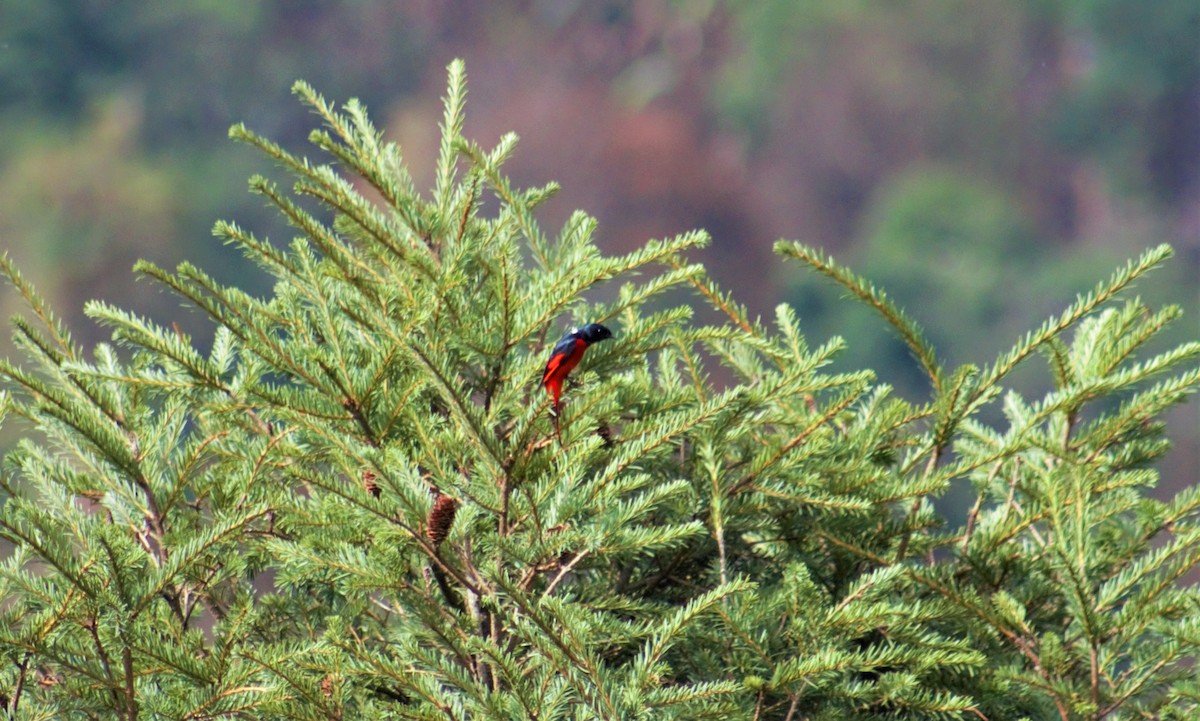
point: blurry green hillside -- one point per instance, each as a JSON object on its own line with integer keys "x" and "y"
{"x": 1006, "y": 153}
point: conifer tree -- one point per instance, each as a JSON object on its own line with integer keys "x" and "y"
{"x": 356, "y": 505}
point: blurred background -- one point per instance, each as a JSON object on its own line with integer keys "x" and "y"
{"x": 984, "y": 161}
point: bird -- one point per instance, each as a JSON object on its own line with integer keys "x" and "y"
{"x": 565, "y": 355}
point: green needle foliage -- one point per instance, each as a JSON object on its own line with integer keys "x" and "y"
{"x": 355, "y": 504}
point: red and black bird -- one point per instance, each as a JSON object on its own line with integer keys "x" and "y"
{"x": 566, "y": 355}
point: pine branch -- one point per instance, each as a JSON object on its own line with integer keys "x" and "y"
{"x": 909, "y": 331}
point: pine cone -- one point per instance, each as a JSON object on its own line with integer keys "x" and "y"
{"x": 368, "y": 480}
{"x": 441, "y": 518}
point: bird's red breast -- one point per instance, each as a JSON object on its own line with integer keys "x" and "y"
{"x": 563, "y": 359}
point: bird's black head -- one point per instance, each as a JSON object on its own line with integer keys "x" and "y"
{"x": 594, "y": 332}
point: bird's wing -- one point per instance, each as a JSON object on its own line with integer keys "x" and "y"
{"x": 562, "y": 350}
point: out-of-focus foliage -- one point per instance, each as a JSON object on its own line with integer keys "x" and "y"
{"x": 195, "y": 62}
{"x": 88, "y": 202}
{"x": 1138, "y": 102}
